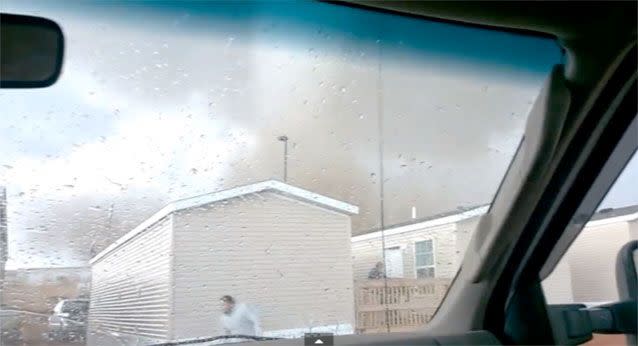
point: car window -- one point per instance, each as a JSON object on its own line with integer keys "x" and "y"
{"x": 262, "y": 168}
{"x": 587, "y": 272}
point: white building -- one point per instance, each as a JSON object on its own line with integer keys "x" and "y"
{"x": 278, "y": 247}
{"x": 587, "y": 271}
{"x": 430, "y": 248}
{"x": 435, "y": 248}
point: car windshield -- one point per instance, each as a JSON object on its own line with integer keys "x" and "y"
{"x": 255, "y": 168}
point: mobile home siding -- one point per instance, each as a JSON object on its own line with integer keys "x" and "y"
{"x": 464, "y": 233}
{"x": 367, "y": 252}
{"x": 557, "y": 287}
{"x": 285, "y": 256}
{"x": 130, "y": 291}
{"x": 633, "y": 229}
{"x": 592, "y": 259}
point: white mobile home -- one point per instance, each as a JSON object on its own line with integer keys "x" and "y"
{"x": 587, "y": 271}
{"x": 430, "y": 248}
{"x": 434, "y": 248}
{"x": 278, "y": 247}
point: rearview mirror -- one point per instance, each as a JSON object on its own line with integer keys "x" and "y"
{"x": 31, "y": 51}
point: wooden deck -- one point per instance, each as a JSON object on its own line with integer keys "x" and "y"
{"x": 405, "y": 305}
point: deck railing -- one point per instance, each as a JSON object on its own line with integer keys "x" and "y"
{"x": 404, "y": 305}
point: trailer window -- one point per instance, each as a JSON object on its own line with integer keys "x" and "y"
{"x": 424, "y": 259}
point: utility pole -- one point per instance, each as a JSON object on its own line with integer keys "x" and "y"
{"x": 284, "y": 139}
{"x": 382, "y": 179}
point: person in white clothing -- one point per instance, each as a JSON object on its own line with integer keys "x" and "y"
{"x": 239, "y": 319}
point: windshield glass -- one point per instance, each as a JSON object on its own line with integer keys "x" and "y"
{"x": 75, "y": 307}
{"x": 261, "y": 168}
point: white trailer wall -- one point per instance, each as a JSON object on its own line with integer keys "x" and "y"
{"x": 131, "y": 287}
{"x": 289, "y": 258}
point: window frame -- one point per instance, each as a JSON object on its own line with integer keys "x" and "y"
{"x": 433, "y": 265}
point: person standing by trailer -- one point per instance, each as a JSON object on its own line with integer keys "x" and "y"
{"x": 378, "y": 272}
{"x": 239, "y": 318}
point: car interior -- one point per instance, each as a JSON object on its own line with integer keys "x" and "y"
{"x": 580, "y": 134}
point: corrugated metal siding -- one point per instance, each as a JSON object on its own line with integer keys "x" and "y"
{"x": 290, "y": 259}
{"x": 130, "y": 291}
{"x": 366, "y": 253}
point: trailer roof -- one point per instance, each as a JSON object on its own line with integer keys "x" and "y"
{"x": 213, "y": 197}
{"x": 601, "y": 217}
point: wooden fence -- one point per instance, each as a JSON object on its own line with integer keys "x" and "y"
{"x": 405, "y": 305}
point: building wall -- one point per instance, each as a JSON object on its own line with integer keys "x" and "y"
{"x": 367, "y": 252}
{"x": 130, "y": 291}
{"x": 557, "y": 287}
{"x": 589, "y": 265}
{"x": 585, "y": 274}
{"x": 592, "y": 259}
{"x": 633, "y": 229}
{"x": 465, "y": 231}
{"x": 289, "y": 259}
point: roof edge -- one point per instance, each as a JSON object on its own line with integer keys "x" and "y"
{"x": 613, "y": 219}
{"x": 444, "y": 220}
{"x": 191, "y": 202}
